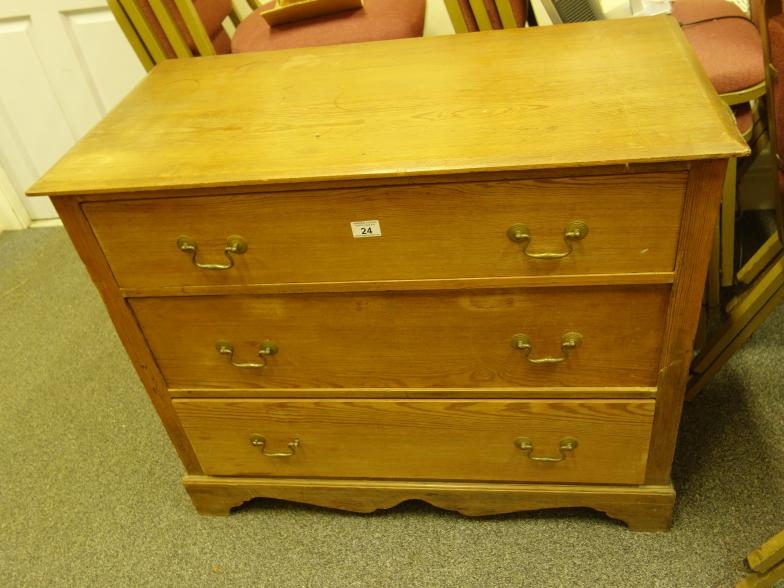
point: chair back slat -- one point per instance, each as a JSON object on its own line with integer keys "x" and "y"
{"x": 507, "y": 14}
{"x": 131, "y": 34}
{"x": 176, "y": 28}
{"x": 195, "y": 27}
{"x": 482, "y": 14}
{"x": 485, "y": 15}
{"x": 756, "y": 12}
{"x": 237, "y": 12}
{"x": 173, "y": 33}
{"x": 456, "y": 15}
{"x": 150, "y": 38}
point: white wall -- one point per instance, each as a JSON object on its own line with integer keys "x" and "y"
{"x": 13, "y": 215}
{"x": 63, "y": 65}
{"x": 437, "y": 19}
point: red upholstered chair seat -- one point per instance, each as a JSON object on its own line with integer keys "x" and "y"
{"x": 744, "y": 117}
{"x": 729, "y": 49}
{"x": 378, "y": 20}
{"x": 686, "y": 11}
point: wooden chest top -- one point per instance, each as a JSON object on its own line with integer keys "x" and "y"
{"x": 610, "y": 92}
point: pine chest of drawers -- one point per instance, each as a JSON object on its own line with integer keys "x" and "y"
{"x": 461, "y": 269}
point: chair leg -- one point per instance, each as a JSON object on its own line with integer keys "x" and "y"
{"x": 767, "y": 562}
{"x": 713, "y": 294}
{"x": 760, "y": 260}
{"x": 456, "y": 16}
{"x": 130, "y": 33}
{"x": 702, "y": 329}
{"x": 756, "y": 304}
{"x": 769, "y": 554}
{"x": 727, "y": 221}
{"x": 763, "y": 580}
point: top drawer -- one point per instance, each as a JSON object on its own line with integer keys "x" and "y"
{"x": 429, "y": 231}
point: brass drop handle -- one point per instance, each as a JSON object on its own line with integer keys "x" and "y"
{"x": 266, "y": 349}
{"x": 574, "y": 231}
{"x": 259, "y": 441}
{"x": 234, "y": 244}
{"x": 569, "y": 341}
{"x": 566, "y": 445}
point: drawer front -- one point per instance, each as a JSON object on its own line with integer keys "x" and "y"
{"x": 435, "y": 231}
{"x": 423, "y": 439}
{"x": 433, "y": 339}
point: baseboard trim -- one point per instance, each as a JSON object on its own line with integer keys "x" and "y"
{"x": 47, "y": 222}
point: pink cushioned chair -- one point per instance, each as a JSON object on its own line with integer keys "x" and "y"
{"x": 763, "y": 274}
{"x": 165, "y": 29}
{"x": 774, "y": 247}
{"x": 729, "y": 46}
{"x": 378, "y": 20}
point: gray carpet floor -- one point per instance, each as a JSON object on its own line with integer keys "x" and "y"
{"x": 90, "y": 490}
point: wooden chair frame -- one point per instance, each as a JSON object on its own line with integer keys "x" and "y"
{"x": 130, "y": 32}
{"x": 726, "y": 247}
{"x": 146, "y": 43}
{"x": 480, "y": 14}
{"x": 763, "y": 274}
{"x": 722, "y": 266}
{"x": 767, "y": 564}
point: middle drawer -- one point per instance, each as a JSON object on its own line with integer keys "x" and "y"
{"x": 591, "y": 336}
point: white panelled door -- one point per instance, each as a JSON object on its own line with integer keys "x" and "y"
{"x": 63, "y": 65}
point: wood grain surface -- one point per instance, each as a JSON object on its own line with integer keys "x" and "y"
{"x": 422, "y": 439}
{"x": 427, "y": 232}
{"x": 642, "y": 508}
{"x": 703, "y": 198}
{"x": 624, "y": 279}
{"x": 446, "y": 141}
{"x": 409, "y": 339}
{"x": 600, "y": 93}
{"x": 552, "y": 392}
{"x": 452, "y": 177}
{"x": 127, "y": 328}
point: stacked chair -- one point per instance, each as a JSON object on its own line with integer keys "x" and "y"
{"x": 744, "y": 59}
{"x": 761, "y": 278}
{"x": 732, "y": 49}
{"x": 766, "y": 563}
{"x": 728, "y": 45}
{"x": 167, "y": 29}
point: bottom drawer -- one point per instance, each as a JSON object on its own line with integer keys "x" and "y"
{"x": 570, "y": 441}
